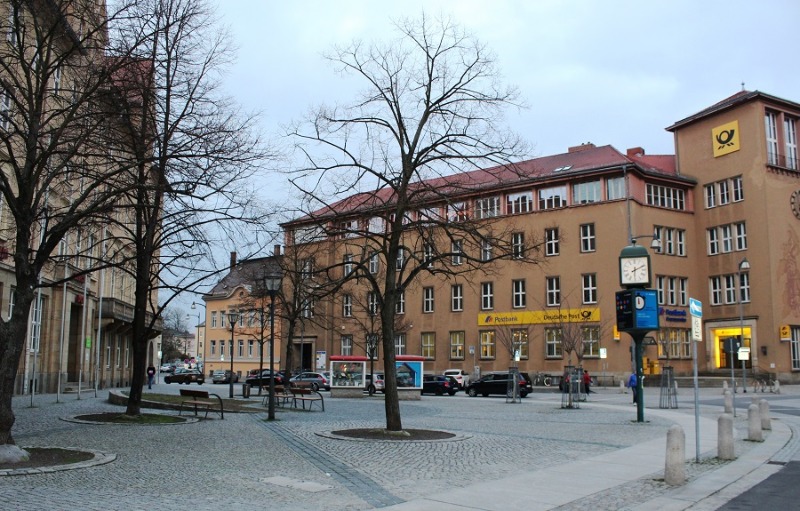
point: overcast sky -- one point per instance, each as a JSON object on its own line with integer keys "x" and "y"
{"x": 607, "y": 72}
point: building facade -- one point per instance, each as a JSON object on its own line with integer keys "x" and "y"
{"x": 731, "y": 192}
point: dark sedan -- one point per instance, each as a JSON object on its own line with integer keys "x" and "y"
{"x": 439, "y": 384}
{"x": 263, "y": 379}
{"x": 186, "y": 376}
{"x": 499, "y": 383}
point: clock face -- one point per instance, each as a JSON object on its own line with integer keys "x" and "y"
{"x": 794, "y": 202}
{"x": 634, "y": 270}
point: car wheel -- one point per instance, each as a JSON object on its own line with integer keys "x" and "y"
{"x": 314, "y": 386}
{"x": 523, "y": 394}
{"x": 439, "y": 391}
{"x": 485, "y": 394}
{"x": 371, "y": 389}
{"x": 452, "y": 393}
{"x": 167, "y": 381}
{"x": 472, "y": 392}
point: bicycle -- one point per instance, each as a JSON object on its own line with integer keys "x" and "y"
{"x": 764, "y": 383}
{"x": 542, "y": 379}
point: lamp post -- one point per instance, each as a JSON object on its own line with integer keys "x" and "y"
{"x": 744, "y": 265}
{"x": 233, "y": 317}
{"x": 272, "y": 284}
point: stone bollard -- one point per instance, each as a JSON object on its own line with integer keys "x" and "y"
{"x": 754, "y": 433}
{"x": 724, "y": 386}
{"x": 675, "y": 464}
{"x": 725, "y": 446}
{"x": 622, "y": 387}
{"x": 728, "y": 397}
{"x": 777, "y": 387}
{"x": 763, "y": 410}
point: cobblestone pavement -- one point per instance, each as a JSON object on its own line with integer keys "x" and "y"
{"x": 246, "y": 461}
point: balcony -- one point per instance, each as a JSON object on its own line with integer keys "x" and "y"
{"x": 782, "y": 161}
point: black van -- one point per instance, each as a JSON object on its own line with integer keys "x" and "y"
{"x": 499, "y": 383}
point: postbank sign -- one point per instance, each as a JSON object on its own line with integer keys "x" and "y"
{"x": 540, "y": 317}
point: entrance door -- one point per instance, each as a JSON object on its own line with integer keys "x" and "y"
{"x": 730, "y": 357}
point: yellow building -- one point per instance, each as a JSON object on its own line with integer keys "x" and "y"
{"x": 731, "y": 192}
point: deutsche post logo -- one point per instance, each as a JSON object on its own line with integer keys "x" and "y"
{"x": 725, "y": 139}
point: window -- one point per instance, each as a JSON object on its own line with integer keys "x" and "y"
{"x": 519, "y": 343}
{"x": 711, "y": 195}
{"x": 790, "y": 141}
{"x": 213, "y": 347}
{"x": 519, "y": 202}
{"x": 374, "y": 263}
{"x": 401, "y": 258}
{"x": 347, "y": 306}
{"x": 552, "y": 342}
{"x": 587, "y": 238}
{"x": 372, "y": 303}
{"x": 372, "y": 346}
{"x": 376, "y": 225}
{"x": 348, "y": 264}
{"x": 730, "y": 289}
{"x": 486, "y": 250}
{"x": 713, "y": 241}
{"x": 487, "y": 296}
{"x": 57, "y": 80}
{"x": 250, "y": 351}
{"x": 666, "y": 197}
{"x": 213, "y": 319}
{"x": 591, "y": 341}
{"x": 744, "y": 287}
{"x": 551, "y": 242}
{"x": 727, "y": 239}
{"x": 715, "y": 290}
{"x": 585, "y": 193}
{"x": 428, "y": 254}
{"x": 589, "y": 285}
{"x": 307, "y": 310}
{"x": 222, "y": 318}
{"x": 457, "y": 251}
{"x": 518, "y": 245}
{"x": 11, "y": 35}
{"x": 680, "y": 242}
{"x": 724, "y": 193}
{"x": 615, "y": 188}
{"x": 660, "y": 286}
{"x": 457, "y": 345}
{"x": 554, "y": 197}
{"x": 487, "y": 344}
{"x": 771, "y": 128}
{"x": 400, "y": 305}
{"x": 399, "y": 344}
{"x": 671, "y": 291}
{"x": 240, "y": 349}
{"x": 738, "y": 191}
{"x": 487, "y": 207}
{"x": 5, "y": 110}
{"x": 348, "y": 228}
{"x": 741, "y": 236}
{"x": 683, "y": 286}
{"x": 429, "y": 345}
{"x": 222, "y": 350}
{"x": 518, "y": 293}
{"x": 347, "y": 344}
{"x": 553, "y": 291}
{"x": 456, "y": 298}
{"x": 427, "y": 299}
{"x": 457, "y": 212}
{"x": 429, "y": 215}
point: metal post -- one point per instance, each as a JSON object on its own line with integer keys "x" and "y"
{"x": 733, "y": 376}
{"x": 743, "y": 265}
{"x": 271, "y": 408}
{"x": 232, "y": 318}
{"x": 638, "y": 339}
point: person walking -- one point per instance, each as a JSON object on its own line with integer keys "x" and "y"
{"x": 587, "y": 382}
{"x": 632, "y": 384}
{"x": 151, "y": 374}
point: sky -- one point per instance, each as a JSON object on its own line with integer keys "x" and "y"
{"x": 606, "y": 72}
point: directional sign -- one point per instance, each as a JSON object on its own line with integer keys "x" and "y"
{"x": 697, "y": 329}
{"x": 695, "y": 307}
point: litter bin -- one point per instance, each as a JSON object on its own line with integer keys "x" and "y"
{"x": 246, "y": 390}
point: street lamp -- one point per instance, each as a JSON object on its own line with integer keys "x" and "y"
{"x": 272, "y": 284}
{"x": 233, "y": 317}
{"x": 744, "y": 265}
{"x": 655, "y": 244}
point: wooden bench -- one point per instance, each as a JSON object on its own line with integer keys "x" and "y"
{"x": 282, "y": 396}
{"x": 201, "y": 398}
{"x": 305, "y": 394}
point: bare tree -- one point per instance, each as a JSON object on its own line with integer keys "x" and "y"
{"x": 431, "y": 110}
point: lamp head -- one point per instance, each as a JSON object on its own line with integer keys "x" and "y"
{"x": 744, "y": 265}
{"x": 233, "y": 317}
{"x": 272, "y": 283}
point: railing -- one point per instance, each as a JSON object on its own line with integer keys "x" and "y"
{"x": 782, "y": 160}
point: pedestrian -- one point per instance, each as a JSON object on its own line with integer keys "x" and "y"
{"x": 151, "y": 374}
{"x": 587, "y": 382}
{"x": 632, "y": 383}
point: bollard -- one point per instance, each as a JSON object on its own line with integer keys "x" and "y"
{"x": 725, "y": 446}
{"x": 763, "y": 409}
{"x": 777, "y": 387}
{"x": 622, "y": 387}
{"x": 724, "y": 386}
{"x": 754, "y": 433}
{"x": 728, "y": 401}
{"x": 675, "y": 463}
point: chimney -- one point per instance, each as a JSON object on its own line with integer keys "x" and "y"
{"x": 582, "y": 147}
{"x": 635, "y": 151}
{"x": 276, "y": 251}
{"x": 233, "y": 260}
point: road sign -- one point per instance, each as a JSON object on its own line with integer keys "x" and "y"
{"x": 603, "y": 353}
{"x": 695, "y": 307}
{"x": 697, "y": 329}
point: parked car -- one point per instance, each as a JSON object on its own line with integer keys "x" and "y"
{"x": 378, "y": 385}
{"x": 315, "y": 380}
{"x": 167, "y": 368}
{"x": 257, "y": 380}
{"x": 221, "y": 376}
{"x": 499, "y": 383}
{"x": 186, "y": 376}
{"x": 461, "y": 376}
{"x": 439, "y": 384}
